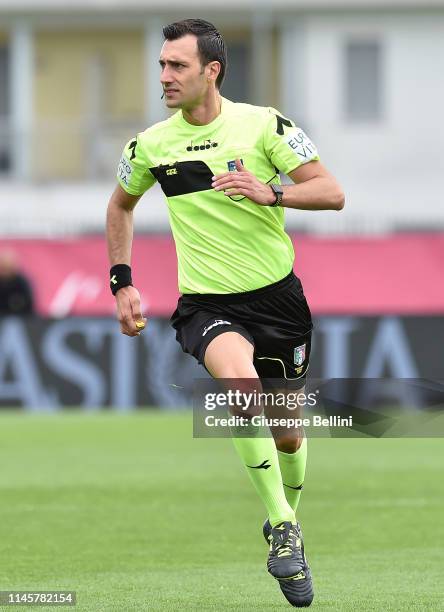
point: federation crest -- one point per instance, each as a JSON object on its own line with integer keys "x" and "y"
{"x": 299, "y": 355}
{"x": 232, "y": 165}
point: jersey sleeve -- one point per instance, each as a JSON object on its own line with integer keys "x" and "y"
{"x": 286, "y": 145}
{"x": 133, "y": 171}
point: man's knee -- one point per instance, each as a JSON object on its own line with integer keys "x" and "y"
{"x": 290, "y": 442}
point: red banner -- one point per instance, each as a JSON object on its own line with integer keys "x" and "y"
{"x": 384, "y": 275}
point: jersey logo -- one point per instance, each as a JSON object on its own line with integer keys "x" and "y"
{"x": 132, "y": 146}
{"x": 171, "y": 171}
{"x": 232, "y": 165}
{"x": 207, "y": 144}
{"x": 124, "y": 170}
{"x": 281, "y": 121}
{"x": 302, "y": 145}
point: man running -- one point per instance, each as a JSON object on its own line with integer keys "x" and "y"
{"x": 242, "y": 313}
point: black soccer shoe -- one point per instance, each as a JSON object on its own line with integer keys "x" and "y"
{"x": 298, "y": 590}
{"x": 285, "y": 557}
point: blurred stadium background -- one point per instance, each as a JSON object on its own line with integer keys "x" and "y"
{"x": 77, "y": 80}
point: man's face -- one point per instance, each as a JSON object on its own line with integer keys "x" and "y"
{"x": 183, "y": 78}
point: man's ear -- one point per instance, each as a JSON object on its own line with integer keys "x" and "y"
{"x": 214, "y": 69}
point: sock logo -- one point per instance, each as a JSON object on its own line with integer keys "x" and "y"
{"x": 263, "y": 466}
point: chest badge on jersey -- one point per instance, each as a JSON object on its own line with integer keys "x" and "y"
{"x": 299, "y": 355}
{"x": 232, "y": 165}
{"x": 183, "y": 177}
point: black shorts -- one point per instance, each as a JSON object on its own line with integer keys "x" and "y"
{"x": 276, "y": 320}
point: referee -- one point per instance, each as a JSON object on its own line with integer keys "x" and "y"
{"x": 242, "y": 313}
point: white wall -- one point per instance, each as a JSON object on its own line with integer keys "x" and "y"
{"x": 393, "y": 170}
{"x": 63, "y": 209}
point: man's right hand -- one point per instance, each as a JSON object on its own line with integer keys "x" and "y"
{"x": 129, "y": 313}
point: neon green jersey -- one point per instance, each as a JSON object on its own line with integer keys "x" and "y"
{"x": 224, "y": 244}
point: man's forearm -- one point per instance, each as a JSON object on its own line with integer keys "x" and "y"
{"x": 119, "y": 234}
{"x": 318, "y": 193}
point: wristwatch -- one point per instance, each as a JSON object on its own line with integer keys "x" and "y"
{"x": 278, "y": 192}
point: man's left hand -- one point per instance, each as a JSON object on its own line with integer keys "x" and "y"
{"x": 244, "y": 183}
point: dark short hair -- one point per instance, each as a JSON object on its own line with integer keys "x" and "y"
{"x": 210, "y": 44}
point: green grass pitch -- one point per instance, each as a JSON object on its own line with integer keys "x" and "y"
{"x": 133, "y": 513}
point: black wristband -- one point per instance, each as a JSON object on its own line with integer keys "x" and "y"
{"x": 119, "y": 276}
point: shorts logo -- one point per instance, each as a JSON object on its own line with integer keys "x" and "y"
{"x": 215, "y": 324}
{"x": 299, "y": 355}
{"x": 232, "y": 165}
{"x": 171, "y": 171}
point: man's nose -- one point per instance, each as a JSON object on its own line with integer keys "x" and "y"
{"x": 165, "y": 76}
